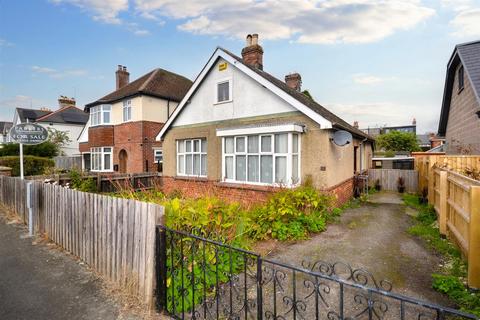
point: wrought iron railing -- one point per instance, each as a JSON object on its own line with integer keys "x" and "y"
{"x": 200, "y": 278}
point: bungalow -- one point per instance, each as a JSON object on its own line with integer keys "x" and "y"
{"x": 244, "y": 132}
{"x": 460, "y": 115}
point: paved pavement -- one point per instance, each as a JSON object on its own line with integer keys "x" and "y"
{"x": 37, "y": 282}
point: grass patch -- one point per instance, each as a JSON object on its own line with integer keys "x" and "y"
{"x": 452, "y": 280}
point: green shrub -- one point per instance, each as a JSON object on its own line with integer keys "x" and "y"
{"x": 31, "y": 165}
{"x": 455, "y": 289}
{"x": 46, "y": 149}
{"x": 79, "y": 182}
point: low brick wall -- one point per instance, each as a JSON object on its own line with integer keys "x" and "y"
{"x": 247, "y": 195}
{"x": 5, "y": 171}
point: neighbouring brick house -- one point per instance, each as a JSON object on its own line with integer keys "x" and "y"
{"x": 242, "y": 133}
{"x": 120, "y": 134}
{"x": 460, "y": 116}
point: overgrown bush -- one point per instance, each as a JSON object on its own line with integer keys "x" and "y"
{"x": 46, "y": 149}
{"x": 79, "y": 182}
{"x": 31, "y": 165}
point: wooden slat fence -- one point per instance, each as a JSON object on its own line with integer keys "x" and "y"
{"x": 456, "y": 199}
{"x": 68, "y": 162}
{"x": 114, "y": 236}
{"x": 389, "y": 178}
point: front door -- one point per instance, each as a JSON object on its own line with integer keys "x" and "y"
{"x": 123, "y": 157}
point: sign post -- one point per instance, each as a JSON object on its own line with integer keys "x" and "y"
{"x": 27, "y": 133}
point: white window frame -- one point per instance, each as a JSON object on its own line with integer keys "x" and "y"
{"x": 127, "y": 110}
{"x": 97, "y": 115}
{"x": 289, "y": 156}
{"x": 155, "y": 155}
{"x": 184, "y": 154}
{"x": 97, "y": 156}
{"x": 230, "y": 84}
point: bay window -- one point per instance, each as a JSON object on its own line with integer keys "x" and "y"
{"x": 192, "y": 157}
{"x": 264, "y": 159}
{"x": 100, "y": 114}
{"x": 101, "y": 159}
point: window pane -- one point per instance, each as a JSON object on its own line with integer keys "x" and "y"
{"x": 295, "y": 169}
{"x": 295, "y": 143}
{"x": 181, "y": 164}
{"x": 188, "y": 164}
{"x": 281, "y": 143}
{"x": 266, "y": 169}
{"x": 229, "y": 145}
{"x": 188, "y": 146}
{"x": 253, "y": 168}
{"x": 106, "y": 117}
{"x": 229, "y": 167}
{"x": 196, "y": 164}
{"x": 204, "y": 145}
{"x": 181, "y": 146}
{"x": 240, "y": 168}
{"x": 196, "y": 145}
{"x": 266, "y": 143}
{"x": 106, "y": 161}
{"x": 240, "y": 144}
{"x": 253, "y": 144}
{"x": 203, "y": 170}
{"x": 223, "y": 91}
{"x": 281, "y": 169}
{"x": 107, "y": 149}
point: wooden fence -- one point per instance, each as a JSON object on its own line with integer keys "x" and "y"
{"x": 388, "y": 178}
{"x": 68, "y": 162}
{"x": 114, "y": 236}
{"x": 456, "y": 199}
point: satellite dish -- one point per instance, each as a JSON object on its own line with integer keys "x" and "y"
{"x": 342, "y": 138}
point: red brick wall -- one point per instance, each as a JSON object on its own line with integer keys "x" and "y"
{"x": 342, "y": 191}
{"x": 101, "y": 136}
{"x": 84, "y": 147}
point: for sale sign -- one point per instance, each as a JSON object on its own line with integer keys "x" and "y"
{"x": 28, "y": 133}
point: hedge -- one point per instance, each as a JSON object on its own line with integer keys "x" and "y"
{"x": 31, "y": 165}
{"x": 46, "y": 149}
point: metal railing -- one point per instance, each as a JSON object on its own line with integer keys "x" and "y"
{"x": 200, "y": 278}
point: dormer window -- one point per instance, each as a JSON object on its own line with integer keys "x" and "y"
{"x": 460, "y": 79}
{"x": 224, "y": 91}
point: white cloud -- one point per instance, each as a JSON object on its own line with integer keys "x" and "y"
{"x": 8, "y": 105}
{"x": 58, "y": 74}
{"x": 366, "y": 79}
{"x": 467, "y": 23}
{"x": 5, "y": 43}
{"x": 103, "y": 10}
{"x": 457, "y": 5}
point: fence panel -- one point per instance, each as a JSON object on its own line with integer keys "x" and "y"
{"x": 388, "y": 178}
{"x": 114, "y": 236}
{"x": 68, "y": 162}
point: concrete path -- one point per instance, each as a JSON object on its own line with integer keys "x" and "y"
{"x": 374, "y": 237}
{"x": 41, "y": 283}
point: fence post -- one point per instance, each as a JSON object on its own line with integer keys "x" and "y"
{"x": 260, "y": 288}
{"x": 443, "y": 202}
{"x": 161, "y": 268}
{"x": 431, "y": 185}
{"x": 474, "y": 239}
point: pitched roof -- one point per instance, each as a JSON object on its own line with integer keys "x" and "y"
{"x": 5, "y": 126}
{"x": 298, "y": 96}
{"x": 157, "y": 83}
{"x": 467, "y": 54}
{"x": 31, "y": 114}
{"x": 68, "y": 115}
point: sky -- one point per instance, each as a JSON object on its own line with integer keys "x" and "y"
{"x": 378, "y": 62}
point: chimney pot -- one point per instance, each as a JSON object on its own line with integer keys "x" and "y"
{"x": 355, "y": 124}
{"x": 414, "y": 122}
{"x": 65, "y": 101}
{"x": 122, "y": 77}
{"x": 252, "y": 54}
{"x": 294, "y": 81}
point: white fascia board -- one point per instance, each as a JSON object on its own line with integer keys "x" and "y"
{"x": 259, "y": 130}
{"x": 323, "y": 123}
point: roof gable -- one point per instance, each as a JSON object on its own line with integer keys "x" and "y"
{"x": 298, "y": 100}
{"x": 31, "y": 114}
{"x": 67, "y": 115}
{"x": 158, "y": 83}
{"x": 467, "y": 54}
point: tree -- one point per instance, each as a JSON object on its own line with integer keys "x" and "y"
{"x": 398, "y": 141}
{"x": 57, "y": 137}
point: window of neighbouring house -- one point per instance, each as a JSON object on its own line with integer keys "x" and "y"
{"x": 101, "y": 159}
{"x": 224, "y": 91}
{"x": 460, "y": 78}
{"x": 127, "y": 110}
{"x": 192, "y": 157}
{"x": 264, "y": 159}
{"x": 100, "y": 114}
{"x": 158, "y": 155}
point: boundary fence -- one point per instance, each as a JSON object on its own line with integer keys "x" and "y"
{"x": 114, "y": 236}
{"x": 388, "y": 178}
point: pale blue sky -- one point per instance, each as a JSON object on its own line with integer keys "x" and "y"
{"x": 378, "y": 62}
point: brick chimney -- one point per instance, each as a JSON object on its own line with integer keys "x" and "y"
{"x": 122, "y": 76}
{"x": 294, "y": 81}
{"x": 355, "y": 124}
{"x": 252, "y": 54}
{"x": 64, "y": 102}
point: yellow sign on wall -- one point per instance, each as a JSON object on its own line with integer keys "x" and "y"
{"x": 222, "y": 66}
